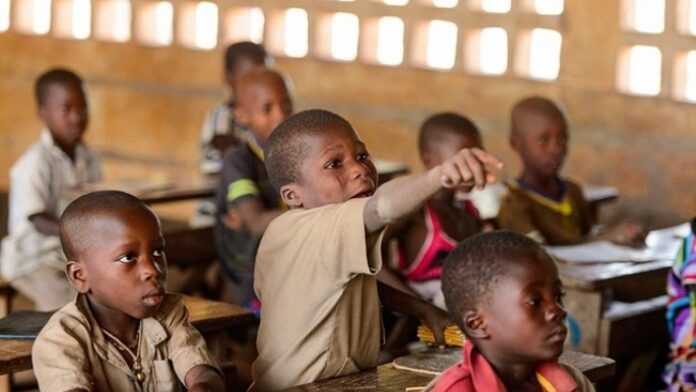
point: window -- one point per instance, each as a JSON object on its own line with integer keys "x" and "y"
{"x": 198, "y": 24}
{"x": 344, "y": 32}
{"x": 390, "y": 40}
{"x": 544, "y": 54}
{"x": 493, "y": 6}
{"x": 640, "y": 69}
{"x": 289, "y": 32}
{"x": 113, "y": 20}
{"x": 4, "y": 15}
{"x": 644, "y": 16}
{"x": 73, "y": 18}
{"x": 155, "y": 23}
{"x": 244, "y": 24}
{"x": 487, "y": 51}
{"x": 445, "y": 3}
{"x": 33, "y": 16}
{"x": 548, "y": 7}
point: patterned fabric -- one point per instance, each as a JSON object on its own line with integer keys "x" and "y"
{"x": 680, "y": 374}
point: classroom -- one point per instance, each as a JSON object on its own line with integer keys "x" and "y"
{"x": 337, "y": 195}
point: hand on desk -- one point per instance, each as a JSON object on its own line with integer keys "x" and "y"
{"x": 627, "y": 233}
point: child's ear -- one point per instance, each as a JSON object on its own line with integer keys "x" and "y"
{"x": 77, "y": 274}
{"x": 427, "y": 158}
{"x": 475, "y": 325}
{"x": 291, "y": 195}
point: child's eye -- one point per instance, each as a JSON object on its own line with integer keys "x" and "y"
{"x": 126, "y": 259}
{"x": 363, "y": 157}
{"x": 534, "y": 302}
{"x": 158, "y": 253}
{"x": 333, "y": 164}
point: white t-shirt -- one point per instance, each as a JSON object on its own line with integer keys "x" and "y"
{"x": 40, "y": 181}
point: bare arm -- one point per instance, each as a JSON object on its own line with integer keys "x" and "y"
{"x": 403, "y": 195}
{"x": 203, "y": 378}
{"x": 45, "y": 223}
{"x": 252, "y": 215}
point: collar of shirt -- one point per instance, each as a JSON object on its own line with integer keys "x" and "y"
{"x": 153, "y": 334}
{"x": 81, "y": 156}
{"x": 477, "y": 373}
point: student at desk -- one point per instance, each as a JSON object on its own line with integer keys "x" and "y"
{"x": 58, "y": 163}
{"x": 503, "y": 291}
{"x": 123, "y": 332}
{"x": 246, "y": 201}
{"x": 540, "y": 203}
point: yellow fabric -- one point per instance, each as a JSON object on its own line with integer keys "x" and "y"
{"x": 545, "y": 384}
{"x": 564, "y": 207}
{"x": 239, "y": 188}
{"x": 258, "y": 151}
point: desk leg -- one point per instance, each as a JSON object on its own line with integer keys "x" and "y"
{"x": 586, "y": 307}
{"x": 5, "y": 385}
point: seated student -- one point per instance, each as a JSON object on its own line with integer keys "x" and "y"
{"x": 316, "y": 265}
{"x": 503, "y": 291}
{"x": 540, "y": 203}
{"x": 246, "y": 200}
{"x": 57, "y": 164}
{"x": 426, "y": 237}
{"x": 220, "y": 129}
{"x": 680, "y": 373}
{"x": 123, "y": 332}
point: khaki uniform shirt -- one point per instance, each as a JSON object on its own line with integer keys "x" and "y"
{"x": 39, "y": 181}
{"x": 548, "y": 221}
{"x": 72, "y": 351}
{"x": 315, "y": 278}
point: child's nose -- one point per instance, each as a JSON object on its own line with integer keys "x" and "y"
{"x": 358, "y": 169}
{"x": 555, "y": 313}
{"x": 150, "y": 268}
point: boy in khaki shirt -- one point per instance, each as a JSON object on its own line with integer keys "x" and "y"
{"x": 317, "y": 265}
{"x": 123, "y": 332}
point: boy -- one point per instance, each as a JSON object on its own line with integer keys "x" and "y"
{"x": 246, "y": 201}
{"x": 433, "y": 231}
{"x": 221, "y": 129}
{"x": 316, "y": 265}
{"x": 57, "y": 164}
{"x": 503, "y": 291}
{"x": 679, "y": 373}
{"x": 540, "y": 203}
{"x": 123, "y": 332}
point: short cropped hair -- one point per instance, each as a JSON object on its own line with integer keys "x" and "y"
{"x": 473, "y": 268}
{"x": 536, "y": 105}
{"x": 437, "y": 125}
{"x": 61, "y": 76}
{"x": 244, "y": 50}
{"x": 75, "y": 220}
{"x": 286, "y": 146}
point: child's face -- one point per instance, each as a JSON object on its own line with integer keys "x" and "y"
{"x": 263, "y": 107}
{"x": 336, "y": 168}
{"x": 524, "y": 313}
{"x": 65, "y": 114}
{"x": 125, "y": 265}
{"x": 542, "y": 144}
{"x": 448, "y": 147}
{"x": 243, "y": 66}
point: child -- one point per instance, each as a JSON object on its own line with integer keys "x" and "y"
{"x": 221, "y": 129}
{"x": 123, "y": 332}
{"x": 431, "y": 233}
{"x": 540, "y": 203}
{"x": 246, "y": 201}
{"x": 503, "y": 291}
{"x": 59, "y": 163}
{"x": 679, "y": 374}
{"x": 316, "y": 265}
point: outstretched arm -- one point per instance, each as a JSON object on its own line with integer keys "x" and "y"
{"x": 403, "y": 195}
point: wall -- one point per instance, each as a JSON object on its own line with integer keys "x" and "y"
{"x": 150, "y": 101}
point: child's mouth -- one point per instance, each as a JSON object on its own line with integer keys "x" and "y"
{"x": 154, "y": 298}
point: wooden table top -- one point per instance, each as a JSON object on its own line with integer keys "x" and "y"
{"x": 207, "y": 316}
{"x": 386, "y": 378}
{"x": 600, "y": 275}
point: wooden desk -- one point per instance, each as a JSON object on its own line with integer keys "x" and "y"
{"x": 388, "y": 379}
{"x": 199, "y": 186}
{"x": 591, "y": 289}
{"x": 212, "y": 318}
{"x": 598, "y": 196}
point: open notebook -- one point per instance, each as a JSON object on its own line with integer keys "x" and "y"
{"x": 659, "y": 245}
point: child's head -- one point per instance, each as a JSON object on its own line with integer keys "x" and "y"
{"x": 115, "y": 252}
{"x": 504, "y": 292}
{"x": 62, "y": 106}
{"x": 539, "y": 134}
{"x": 315, "y": 158}
{"x": 241, "y": 57}
{"x": 263, "y": 102}
{"x": 442, "y": 135}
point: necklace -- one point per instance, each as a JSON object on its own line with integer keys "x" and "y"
{"x": 133, "y": 352}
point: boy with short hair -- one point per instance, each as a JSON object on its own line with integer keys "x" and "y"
{"x": 503, "y": 291}
{"x": 426, "y": 237}
{"x": 123, "y": 332}
{"x": 540, "y": 203}
{"x": 57, "y": 164}
{"x": 246, "y": 200}
{"x": 316, "y": 265}
{"x": 221, "y": 129}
